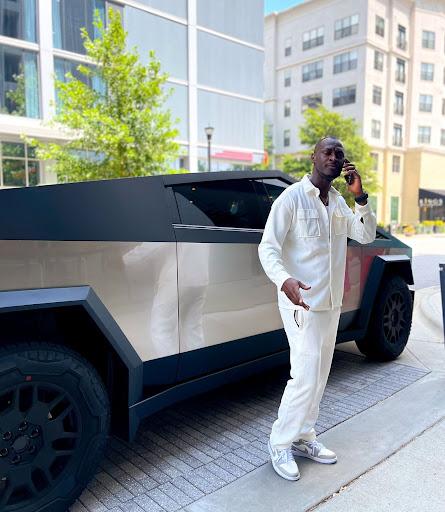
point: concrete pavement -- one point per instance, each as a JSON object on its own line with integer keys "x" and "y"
{"x": 363, "y": 443}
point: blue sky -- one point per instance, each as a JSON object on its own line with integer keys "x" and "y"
{"x": 279, "y": 5}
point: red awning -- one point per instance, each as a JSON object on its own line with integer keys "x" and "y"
{"x": 239, "y": 156}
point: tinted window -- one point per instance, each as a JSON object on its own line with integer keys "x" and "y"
{"x": 231, "y": 203}
{"x": 269, "y": 191}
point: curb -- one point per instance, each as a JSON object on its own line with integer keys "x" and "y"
{"x": 430, "y": 306}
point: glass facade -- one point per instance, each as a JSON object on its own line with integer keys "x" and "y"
{"x": 230, "y": 66}
{"x": 167, "y": 38}
{"x": 177, "y": 102}
{"x": 243, "y": 19}
{"x": 18, "y": 19}
{"x": 18, "y": 165}
{"x": 19, "y": 82}
{"x": 70, "y": 17}
{"x": 175, "y": 7}
{"x": 233, "y": 119}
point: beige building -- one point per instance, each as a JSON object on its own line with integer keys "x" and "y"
{"x": 380, "y": 62}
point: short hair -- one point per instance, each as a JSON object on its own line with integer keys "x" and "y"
{"x": 324, "y": 138}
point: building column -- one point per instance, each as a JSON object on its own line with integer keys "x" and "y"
{"x": 193, "y": 82}
{"x": 46, "y": 60}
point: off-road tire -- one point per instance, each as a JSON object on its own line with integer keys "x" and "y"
{"x": 390, "y": 322}
{"x": 54, "y": 422}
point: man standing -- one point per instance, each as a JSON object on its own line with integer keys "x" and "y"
{"x": 303, "y": 251}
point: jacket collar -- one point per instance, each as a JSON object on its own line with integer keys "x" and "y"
{"x": 309, "y": 188}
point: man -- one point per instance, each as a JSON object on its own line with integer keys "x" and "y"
{"x": 303, "y": 251}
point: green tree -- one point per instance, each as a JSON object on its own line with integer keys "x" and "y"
{"x": 17, "y": 96}
{"x": 268, "y": 146}
{"x": 319, "y": 123}
{"x": 119, "y": 129}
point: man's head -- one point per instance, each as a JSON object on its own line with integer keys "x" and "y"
{"x": 328, "y": 158}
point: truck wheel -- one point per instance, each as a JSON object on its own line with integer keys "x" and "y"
{"x": 54, "y": 420}
{"x": 390, "y": 322}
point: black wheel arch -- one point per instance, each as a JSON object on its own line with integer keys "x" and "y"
{"x": 76, "y": 317}
{"x": 383, "y": 267}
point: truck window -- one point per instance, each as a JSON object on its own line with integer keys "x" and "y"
{"x": 231, "y": 203}
{"x": 273, "y": 188}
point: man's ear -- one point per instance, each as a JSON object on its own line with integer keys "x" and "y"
{"x": 312, "y": 157}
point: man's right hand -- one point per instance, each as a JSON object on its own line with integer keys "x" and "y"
{"x": 291, "y": 287}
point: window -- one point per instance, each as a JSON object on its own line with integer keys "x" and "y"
{"x": 64, "y": 66}
{"x": 379, "y": 26}
{"x": 398, "y": 103}
{"x": 425, "y": 103}
{"x": 395, "y": 163}
{"x": 397, "y": 135}
{"x": 287, "y": 47}
{"x": 400, "y": 71}
{"x": 376, "y": 129}
{"x": 18, "y": 165}
{"x": 401, "y": 37}
{"x": 428, "y": 39}
{"x": 442, "y": 137}
{"x": 287, "y": 78}
{"x": 18, "y": 19}
{"x": 69, "y": 17}
{"x": 287, "y": 108}
{"x": 19, "y": 82}
{"x": 312, "y": 71}
{"x": 377, "y": 95}
{"x": 424, "y": 135}
{"x": 273, "y": 188}
{"x": 394, "y": 209}
{"x": 344, "y": 96}
{"x": 313, "y": 38}
{"x": 231, "y": 203}
{"x": 345, "y": 62}
{"x": 346, "y": 27}
{"x": 378, "y": 60}
{"x": 375, "y": 161}
{"x": 311, "y": 101}
{"x": 427, "y": 71}
{"x": 286, "y": 138}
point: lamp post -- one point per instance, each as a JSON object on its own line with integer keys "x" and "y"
{"x": 209, "y": 132}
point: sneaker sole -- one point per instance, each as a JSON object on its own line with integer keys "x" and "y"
{"x": 277, "y": 470}
{"x": 316, "y": 459}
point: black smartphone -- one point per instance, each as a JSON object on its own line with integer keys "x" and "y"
{"x": 349, "y": 178}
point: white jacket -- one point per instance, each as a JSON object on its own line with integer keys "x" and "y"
{"x": 304, "y": 240}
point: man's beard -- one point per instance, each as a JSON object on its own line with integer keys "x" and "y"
{"x": 331, "y": 177}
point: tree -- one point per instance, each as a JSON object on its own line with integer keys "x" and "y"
{"x": 319, "y": 123}
{"x": 268, "y": 150}
{"x": 120, "y": 128}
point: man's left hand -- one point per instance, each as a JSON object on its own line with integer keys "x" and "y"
{"x": 356, "y": 186}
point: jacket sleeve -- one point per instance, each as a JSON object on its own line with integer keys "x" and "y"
{"x": 363, "y": 232}
{"x": 275, "y": 231}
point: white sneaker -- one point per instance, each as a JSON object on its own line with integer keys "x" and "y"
{"x": 283, "y": 463}
{"x": 314, "y": 450}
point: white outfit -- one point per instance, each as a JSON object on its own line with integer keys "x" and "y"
{"x": 307, "y": 241}
{"x": 303, "y": 240}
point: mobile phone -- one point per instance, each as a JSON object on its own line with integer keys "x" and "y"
{"x": 349, "y": 178}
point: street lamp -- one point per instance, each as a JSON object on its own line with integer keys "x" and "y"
{"x": 209, "y": 132}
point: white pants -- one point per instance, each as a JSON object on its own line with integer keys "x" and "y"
{"x": 311, "y": 336}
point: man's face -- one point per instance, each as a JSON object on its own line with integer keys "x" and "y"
{"x": 328, "y": 158}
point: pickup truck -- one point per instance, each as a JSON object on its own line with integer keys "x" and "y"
{"x": 121, "y": 297}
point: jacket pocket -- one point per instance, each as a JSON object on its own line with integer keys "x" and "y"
{"x": 340, "y": 222}
{"x": 307, "y": 223}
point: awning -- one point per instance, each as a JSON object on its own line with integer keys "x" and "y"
{"x": 238, "y": 156}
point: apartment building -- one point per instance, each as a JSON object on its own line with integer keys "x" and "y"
{"x": 381, "y": 63}
{"x": 211, "y": 49}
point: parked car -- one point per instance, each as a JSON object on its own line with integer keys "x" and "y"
{"x": 121, "y": 297}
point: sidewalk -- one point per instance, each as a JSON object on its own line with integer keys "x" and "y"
{"x": 385, "y": 439}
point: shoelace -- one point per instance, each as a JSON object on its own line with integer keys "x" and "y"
{"x": 285, "y": 456}
{"x": 315, "y": 444}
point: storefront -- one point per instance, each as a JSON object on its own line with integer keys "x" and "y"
{"x": 431, "y": 204}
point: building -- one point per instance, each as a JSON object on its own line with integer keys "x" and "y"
{"x": 212, "y": 50}
{"x": 381, "y": 62}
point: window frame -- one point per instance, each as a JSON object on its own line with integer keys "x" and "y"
{"x": 26, "y": 158}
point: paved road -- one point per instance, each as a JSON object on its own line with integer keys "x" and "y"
{"x": 428, "y": 252}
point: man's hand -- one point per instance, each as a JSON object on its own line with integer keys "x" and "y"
{"x": 356, "y": 184}
{"x": 291, "y": 287}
